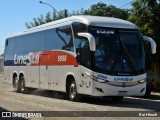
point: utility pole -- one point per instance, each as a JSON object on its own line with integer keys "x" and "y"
{"x": 65, "y": 13}
{"x": 50, "y": 6}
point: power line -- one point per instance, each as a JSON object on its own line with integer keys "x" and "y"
{"x": 123, "y": 5}
{"x": 127, "y": 4}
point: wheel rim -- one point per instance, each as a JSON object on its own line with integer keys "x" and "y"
{"x": 73, "y": 91}
{"x": 22, "y": 86}
{"x": 16, "y": 85}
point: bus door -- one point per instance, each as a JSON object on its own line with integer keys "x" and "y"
{"x": 32, "y": 75}
{"x": 43, "y": 71}
{"x": 83, "y": 57}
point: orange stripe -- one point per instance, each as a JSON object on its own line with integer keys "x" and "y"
{"x": 51, "y": 58}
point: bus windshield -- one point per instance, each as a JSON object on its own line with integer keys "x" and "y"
{"x": 118, "y": 50}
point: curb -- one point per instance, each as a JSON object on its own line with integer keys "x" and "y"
{"x": 155, "y": 93}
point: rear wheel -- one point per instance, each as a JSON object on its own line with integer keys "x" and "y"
{"x": 16, "y": 85}
{"x": 23, "y": 88}
{"x": 72, "y": 92}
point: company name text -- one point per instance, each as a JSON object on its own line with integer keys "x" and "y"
{"x": 31, "y": 58}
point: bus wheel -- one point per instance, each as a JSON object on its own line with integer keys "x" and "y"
{"x": 117, "y": 98}
{"x": 23, "y": 89}
{"x": 72, "y": 93}
{"x": 16, "y": 85}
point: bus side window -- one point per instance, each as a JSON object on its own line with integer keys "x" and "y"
{"x": 78, "y": 49}
{"x": 83, "y": 51}
{"x": 65, "y": 35}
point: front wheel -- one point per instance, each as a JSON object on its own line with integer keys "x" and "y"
{"x": 72, "y": 93}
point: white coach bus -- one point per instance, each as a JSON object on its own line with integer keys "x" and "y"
{"x": 79, "y": 55}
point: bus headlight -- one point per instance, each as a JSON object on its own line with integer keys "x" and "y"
{"x": 94, "y": 78}
{"x": 142, "y": 81}
{"x": 98, "y": 80}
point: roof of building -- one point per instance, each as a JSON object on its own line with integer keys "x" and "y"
{"x": 89, "y": 20}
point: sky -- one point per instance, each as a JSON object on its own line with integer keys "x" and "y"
{"x": 14, "y": 13}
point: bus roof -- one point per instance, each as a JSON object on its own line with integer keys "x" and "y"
{"x": 88, "y": 20}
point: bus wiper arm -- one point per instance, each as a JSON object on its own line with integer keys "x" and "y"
{"x": 115, "y": 62}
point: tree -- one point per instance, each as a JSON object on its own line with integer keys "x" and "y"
{"x": 145, "y": 14}
{"x": 151, "y": 2}
{"x": 42, "y": 20}
{"x": 101, "y": 9}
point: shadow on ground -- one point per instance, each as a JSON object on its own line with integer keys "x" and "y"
{"x": 151, "y": 104}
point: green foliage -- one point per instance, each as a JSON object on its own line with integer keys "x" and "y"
{"x": 78, "y": 12}
{"x": 101, "y": 9}
{"x": 42, "y": 20}
{"x": 47, "y": 18}
{"x": 145, "y": 14}
{"x": 146, "y": 17}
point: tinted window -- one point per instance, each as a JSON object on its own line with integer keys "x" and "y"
{"x": 27, "y": 43}
{"x": 65, "y": 35}
{"x": 59, "y": 38}
{"x": 79, "y": 27}
{"x": 118, "y": 50}
{"x": 83, "y": 51}
{"x": 52, "y": 40}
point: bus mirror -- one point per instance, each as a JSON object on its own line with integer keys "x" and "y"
{"x": 152, "y": 42}
{"x": 91, "y": 39}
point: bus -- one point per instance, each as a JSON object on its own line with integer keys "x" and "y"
{"x": 79, "y": 55}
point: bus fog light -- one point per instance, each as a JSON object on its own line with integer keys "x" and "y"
{"x": 99, "y": 89}
{"x": 142, "y": 90}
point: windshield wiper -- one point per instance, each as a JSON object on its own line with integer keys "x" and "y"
{"x": 132, "y": 65}
{"x": 125, "y": 51}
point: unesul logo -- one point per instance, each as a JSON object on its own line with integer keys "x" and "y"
{"x": 123, "y": 79}
{"x": 31, "y": 58}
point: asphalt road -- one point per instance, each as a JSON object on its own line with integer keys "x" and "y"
{"x": 36, "y": 101}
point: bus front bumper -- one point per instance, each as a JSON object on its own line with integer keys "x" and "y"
{"x": 104, "y": 89}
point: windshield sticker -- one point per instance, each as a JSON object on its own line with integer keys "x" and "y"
{"x": 123, "y": 79}
{"x": 105, "y": 31}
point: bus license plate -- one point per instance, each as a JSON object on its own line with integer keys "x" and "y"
{"x": 122, "y": 92}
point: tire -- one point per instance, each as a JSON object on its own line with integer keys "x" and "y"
{"x": 117, "y": 98}
{"x": 16, "y": 85}
{"x": 23, "y": 88}
{"x": 72, "y": 92}
{"x": 149, "y": 88}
